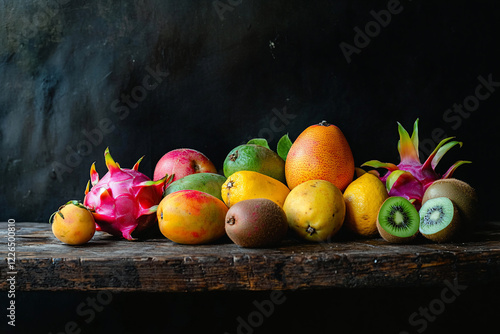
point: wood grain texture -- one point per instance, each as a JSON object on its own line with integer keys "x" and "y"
{"x": 44, "y": 263}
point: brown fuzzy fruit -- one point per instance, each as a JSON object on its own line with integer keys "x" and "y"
{"x": 462, "y": 195}
{"x": 256, "y": 223}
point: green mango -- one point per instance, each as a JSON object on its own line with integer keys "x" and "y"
{"x": 209, "y": 183}
{"x": 255, "y": 158}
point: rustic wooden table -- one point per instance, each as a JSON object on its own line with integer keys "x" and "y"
{"x": 43, "y": 263}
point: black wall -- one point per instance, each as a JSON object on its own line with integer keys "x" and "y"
{"x": 75, "y": 77}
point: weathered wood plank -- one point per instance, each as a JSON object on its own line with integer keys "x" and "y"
{"x": 43, "y": 263}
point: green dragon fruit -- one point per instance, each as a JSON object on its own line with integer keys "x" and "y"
{"x": 124, "y": 200}
{"x": 410, "y": 178}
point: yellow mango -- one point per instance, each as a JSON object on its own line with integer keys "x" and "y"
{"x": 191, "y": 217}
{"x": 245, "y": 184}
{"x": 315, "y": 210}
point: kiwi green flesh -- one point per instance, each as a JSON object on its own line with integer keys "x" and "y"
{"x": 398, "y": 217}
{"x": 391, "y": 238}
{"x": 440, "y": 220}
{"x": 435, "y": 215}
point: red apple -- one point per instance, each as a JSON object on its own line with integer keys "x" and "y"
{"x": 182, "y": 162}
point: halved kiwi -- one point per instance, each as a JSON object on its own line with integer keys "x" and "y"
{"x": 462, "y": 195}
{"x": 397, "y": 220}
{"x": 440, "y": 220}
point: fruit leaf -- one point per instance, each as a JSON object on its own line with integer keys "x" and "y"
{"x": 378, "y": 164}
{"x": 260, "y": 142}
{"x": 51, "y": 219}
{"x": 284, "y": 145}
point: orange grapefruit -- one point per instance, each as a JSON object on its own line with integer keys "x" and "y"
{"x": 320, "y": 152}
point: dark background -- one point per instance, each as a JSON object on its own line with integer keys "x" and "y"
{"x": 66, "y": 68}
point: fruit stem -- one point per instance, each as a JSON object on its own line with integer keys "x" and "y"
{"x": 324, "y": 123}
{"x": 234, "y": 156}
{"x": 231, "y": 221}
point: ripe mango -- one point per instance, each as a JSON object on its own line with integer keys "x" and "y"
{"x": 255, "y": 158}
{"x": 191, "y": 217}
{"x": 209, "y": 183}
{"x": 315, "y": 210}
{"x": 245, "y": 185}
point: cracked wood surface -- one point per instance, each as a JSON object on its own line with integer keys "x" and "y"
{"x": 157, "y": 264}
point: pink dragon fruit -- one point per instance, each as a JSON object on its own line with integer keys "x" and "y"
{"x": 124, "y": 200}
{"x": 410, "y": 178}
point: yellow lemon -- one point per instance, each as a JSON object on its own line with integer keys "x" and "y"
{"x": 244, "y": 185}
{"x": 363, "y": 198}
{"x": 315, "y": 210}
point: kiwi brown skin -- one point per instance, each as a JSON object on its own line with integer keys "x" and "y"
{"x": 392, "y": 238}
{"x": 461, "y": 194}
{"x": 452, "y": 232}
{"x": 256, "y": 223}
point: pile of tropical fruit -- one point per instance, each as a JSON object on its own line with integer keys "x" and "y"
{"x": 309, "y": 188}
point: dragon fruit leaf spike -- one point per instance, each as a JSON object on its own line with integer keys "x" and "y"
{"x": 136, "y": 166}
{"x": 124, "y": 200}
{"x": 410, "y": 178}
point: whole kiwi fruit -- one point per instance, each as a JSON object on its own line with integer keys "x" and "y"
{"x": 256, "y": 223}
{"x": 462, "y": 195}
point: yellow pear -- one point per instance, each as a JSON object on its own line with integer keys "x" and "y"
{"x": 315, "y": 210}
